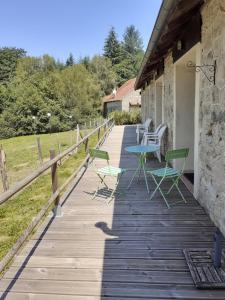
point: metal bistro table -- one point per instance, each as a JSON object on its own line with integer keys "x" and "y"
{"x": 141, "y": 151}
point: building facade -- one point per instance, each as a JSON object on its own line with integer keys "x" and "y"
{"x": 182, "y": 81}
{"x": 126, "y": 98}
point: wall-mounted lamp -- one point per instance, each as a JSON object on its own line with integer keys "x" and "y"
{"x": 208, "y": 70}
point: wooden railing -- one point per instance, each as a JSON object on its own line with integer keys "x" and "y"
{"x": 56, "y": 190}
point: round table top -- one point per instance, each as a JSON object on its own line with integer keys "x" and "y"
{"x": 142, "y": 149}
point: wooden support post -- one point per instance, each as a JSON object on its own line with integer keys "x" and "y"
{"x": 99, "y": 132}
{"x": 86, "y": 146}
{"x": 78, "y": 136}
{"x": 57, "y": 209}
{"x": 40, "y": 155}
{"x": 3, "y": 170}
{"x": 59, "y": 147}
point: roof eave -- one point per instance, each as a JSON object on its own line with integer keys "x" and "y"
{"x": 165, "y": 9}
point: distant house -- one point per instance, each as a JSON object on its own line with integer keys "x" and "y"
{"x": 123, "y": 99}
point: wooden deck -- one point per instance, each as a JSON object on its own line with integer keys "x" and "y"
{"x": 129, "y": 249}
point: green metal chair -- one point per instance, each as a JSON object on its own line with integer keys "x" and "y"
{"x": 105, "y": 171}
{"x": 168, "y": 172}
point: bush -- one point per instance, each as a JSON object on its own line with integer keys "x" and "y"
{"x": 124, "y": 118}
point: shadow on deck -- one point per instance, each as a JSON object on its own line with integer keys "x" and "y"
{"x": 129, "y": 249}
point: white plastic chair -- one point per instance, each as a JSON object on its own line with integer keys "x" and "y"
{"x": 152, "y": 134}
{"x": 157, "y": 140}
{"x": 142, "y": 128}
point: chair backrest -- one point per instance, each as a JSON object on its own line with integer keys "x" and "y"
{"x": 147, "y": 121}
{"x": 159, "y": 127}
{"x": 161, "y": 133}
{"x": 177, "y": 154}
{"x": 96, "y": 153}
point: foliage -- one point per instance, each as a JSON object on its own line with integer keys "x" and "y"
{"x": 101, "y": 68}
{"x": 8, "y": 61}
{"x": 70, "y": 60}
{"x": 124, "y": 118}
{"x": 132, "y": 41}
{"x": 40, "y": 87}
{"x": 125, "y": 56}
{"x": 85, "y": 61}
{"x": 32, "y": 87}
{"x": 112, "y": 47}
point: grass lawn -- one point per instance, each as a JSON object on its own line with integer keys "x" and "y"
{"x": 22, "y": 152}
{"x": 17, "y": 213}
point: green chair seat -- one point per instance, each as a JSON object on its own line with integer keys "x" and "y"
{"x": 110, "y": 171}
{"x": 168, "y": 172}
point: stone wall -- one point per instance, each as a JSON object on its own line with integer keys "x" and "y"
{"x": 212, "y": 114}
{"x": 133, "y": 97}
{"x": 168, "y": 94}
{"x": 211, "y": 156}
{"x": 148, "y": 102}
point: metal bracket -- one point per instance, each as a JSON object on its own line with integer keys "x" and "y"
{"x": 208, "y": 70}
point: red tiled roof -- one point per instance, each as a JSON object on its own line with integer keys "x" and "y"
{"x": 126, "y": 88}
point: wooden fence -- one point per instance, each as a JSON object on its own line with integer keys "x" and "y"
{"x": 55, "y": 199}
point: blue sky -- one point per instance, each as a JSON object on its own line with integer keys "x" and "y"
{"x": 58, "y": 27}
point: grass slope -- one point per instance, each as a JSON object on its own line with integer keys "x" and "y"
{"x": 17, "y": 213}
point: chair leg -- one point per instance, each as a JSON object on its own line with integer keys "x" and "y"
{"x": 114, "y": 190}
{"x": 170, "y": 189}
{"x": 182, "y": 196}
{"x": 158, "y": 153}
{"x": 102, "y": 181}
{"x": 158, "y": 184}
{"x": 157, "y": 187}
{"x": 135, "y": 173}
{"x": 175, "y": 184}
{"x": 164, "y": 197}
{"x": 97, "y": 190}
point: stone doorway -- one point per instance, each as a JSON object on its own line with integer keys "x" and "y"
{"x": 184, "y": 111}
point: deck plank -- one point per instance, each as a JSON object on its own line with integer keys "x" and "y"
{"x": 128, "y": 249}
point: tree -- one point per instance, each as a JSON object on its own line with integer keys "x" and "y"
{"x": 132, "y": 40}
{"x": 112, "y": 47}
{"x": 8, "y": 61}
{"x": 70, "y": 60}
{"x": 101, "y": 68}
{"x": 85, "y": 61}
{"x": 79, "y": 92}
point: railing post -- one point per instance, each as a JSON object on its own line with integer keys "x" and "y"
{"x": 86, "y": 146}
{"x": 78, "y": 135}
{"x": 5, "y": 182}
{"x": 99, "y": 132}
{"x": 40, "y": 155}
{"x": 59, "y": 147}
{"x": 57, "y": 209}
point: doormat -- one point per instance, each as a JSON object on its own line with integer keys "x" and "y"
{"x": 204, "y": 274}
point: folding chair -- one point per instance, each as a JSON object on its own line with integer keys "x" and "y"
{"x": 105, "y": 171}
{"x": 157, "y": 140}
{"x": 168, "y": 172}
{"x": 142, "y": 128}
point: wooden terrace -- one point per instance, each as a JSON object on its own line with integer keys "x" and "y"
{"x": 128, "y": 249}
